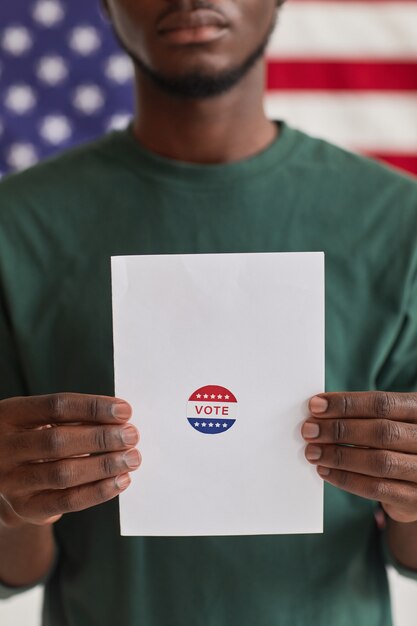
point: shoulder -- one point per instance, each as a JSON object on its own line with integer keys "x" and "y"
{"x": 357, "y": 174}
{"x": 58, "y": 180}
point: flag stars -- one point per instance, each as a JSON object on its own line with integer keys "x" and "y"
{"x": 224, "y": 425}
{"x": 217, "y": 425}
{"x": 198, "y": 395}
{"x": 85, "y": 40}
{"x": 52, "y": 70}
{"x": 119, "y": 69}
{"x": 197, "y": 424}
{"x": 219, "y": 397}
{"x": 204, "y": 424}
{"x": 88, "y": 99}
{"x": 213, "y": 397}
{"x": 48, "y": 12}
{"x": 55, "y": 129}
{"x": 211, "y": 424}
{"x": 21, "y": 155}
{"x": 16, "y": 40}
{"x": 20, "y": 99}
{"x": 205, "y": 396}
{"x": 226, "y": 397}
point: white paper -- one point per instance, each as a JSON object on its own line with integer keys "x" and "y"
{"x": 252, "y": 324}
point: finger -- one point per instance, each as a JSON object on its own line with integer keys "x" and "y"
{"x": 32, "y": 478}
{"x": 368, "y": 404}
{"x": 49, "y": 504}
{"x": 399, "y": 494}
{"x": 377, "y": 463}
{"x": 59, "y": 408}
{"x": 67, "y": 441}
{"x": 369, "y": 433}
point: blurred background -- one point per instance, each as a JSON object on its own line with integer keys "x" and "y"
{"x": 344, "y": 70}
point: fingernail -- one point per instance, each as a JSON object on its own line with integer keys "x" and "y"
{"x": 132, "y": 458}
{"x": 318, "y": 405}
{"x": 313, "y": 453}
{"x": 310, "y": 430}
{"x": 130, "y": 435}
{"x": 323, "y": 471}
{"x": 122, "y": 481}
{"x": 121, "y": 411}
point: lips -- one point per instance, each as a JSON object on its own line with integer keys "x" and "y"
{"x": 185, "y": 20}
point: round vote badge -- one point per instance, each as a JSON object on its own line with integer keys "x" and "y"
{"x": 212, "y": 410}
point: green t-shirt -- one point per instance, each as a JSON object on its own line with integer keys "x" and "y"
{"x": 60, "y": 223}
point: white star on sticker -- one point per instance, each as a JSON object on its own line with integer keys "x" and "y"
{"x": 196, "y": 424}
{"x": 226, "y": 397}
{"x": 217, "y": 425}
{"x": 205, "y": 396}
{"x": 212, "y": 396}
{"x": 211, "y": 424}
{"x": 199, "y": 395}
{"x": 224, "y": 425}
{"x": 204, "y": 424}
{"x": 219, "y": 397}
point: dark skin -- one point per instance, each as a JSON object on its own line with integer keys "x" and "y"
{"x": 79, "y": 438}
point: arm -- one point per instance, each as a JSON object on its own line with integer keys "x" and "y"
{"x": 366, "y": 443}
{"x": 402, "y": 542}
{"x": 27, "y": 552}
{"x": 58, "y": 454}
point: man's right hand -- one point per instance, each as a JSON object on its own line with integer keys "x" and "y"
{"x": 62, "y": 453}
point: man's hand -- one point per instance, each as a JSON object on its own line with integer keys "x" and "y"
{"x": 62, "y": 453}
{"x": 366, "y": 443}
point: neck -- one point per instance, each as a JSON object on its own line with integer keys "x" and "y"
{"x": 221, "y": 129}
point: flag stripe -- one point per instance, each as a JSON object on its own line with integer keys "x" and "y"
{"x": 370, "y": 30}
{"x": 337, "y": 75}
{"x": 372, "y": 122}
{"x": 407, "y": 162}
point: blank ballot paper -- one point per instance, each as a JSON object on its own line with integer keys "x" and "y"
{"x": 218, "y": 354}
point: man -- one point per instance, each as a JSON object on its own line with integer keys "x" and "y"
{"x": 202, "y": 170}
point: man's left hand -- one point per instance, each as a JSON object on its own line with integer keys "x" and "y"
{"x": 366, "y": 443}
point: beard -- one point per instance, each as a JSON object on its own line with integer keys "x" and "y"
{"x": 198, "y": 85}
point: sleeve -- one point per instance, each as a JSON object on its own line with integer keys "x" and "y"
{"x": 391, "y": 561}
{"x": 11, "y": 384}
{"x": 8, "y": 592}
{"x": 399, "y": 373}
{"x": 11, "y": 377}
{"x": 399, "y": 370}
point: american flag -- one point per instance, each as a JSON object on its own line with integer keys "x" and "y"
{"x": 344, "y": 70}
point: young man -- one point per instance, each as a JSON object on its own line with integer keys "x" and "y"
{"x": 202, "y": 170}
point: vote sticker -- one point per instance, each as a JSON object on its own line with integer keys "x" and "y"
{"x": 212, "y": 410}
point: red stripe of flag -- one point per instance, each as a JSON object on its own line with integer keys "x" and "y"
{"x": 402, "y": 162}
{"x": 354, "y": 1}
{"x": 342, "y": 75}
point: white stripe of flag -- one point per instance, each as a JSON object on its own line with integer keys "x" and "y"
{"x": 386, "y": 30}
{"x": 369, "y": 122}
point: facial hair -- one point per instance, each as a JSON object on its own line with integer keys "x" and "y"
{"x": 198, "y": 85}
